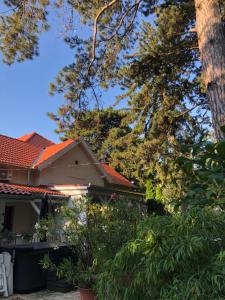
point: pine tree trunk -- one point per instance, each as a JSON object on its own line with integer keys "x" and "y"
{"x": 211, "y": 42}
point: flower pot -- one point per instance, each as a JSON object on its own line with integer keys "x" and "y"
{"x": 87, "y": 294}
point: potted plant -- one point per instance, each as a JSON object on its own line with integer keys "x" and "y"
{"x": 86, "y": 283}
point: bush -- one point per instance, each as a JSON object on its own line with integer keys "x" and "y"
{"x": 94, "y": 232}
{"x": 204, "y": 172}
{"x": 172, "y": 257}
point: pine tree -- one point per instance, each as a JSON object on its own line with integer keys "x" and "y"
{"x": 161, "y": 77}
{"x": 162, "y": 82}
{"x": 98, "y": 127}
{"x": 21, "y": 23}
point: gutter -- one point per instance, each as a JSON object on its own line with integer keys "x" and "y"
{"x": 34, "y": 196}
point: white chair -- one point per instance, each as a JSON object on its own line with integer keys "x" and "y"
{"x": 3, "y": 280}
{"x": 8, "y": 271}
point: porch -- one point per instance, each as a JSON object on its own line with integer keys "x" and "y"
{"x": 21, "y": 207}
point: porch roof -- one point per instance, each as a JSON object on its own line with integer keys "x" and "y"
{"x": 25, "y": 190}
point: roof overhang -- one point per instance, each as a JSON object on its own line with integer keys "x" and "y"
{"x": 121, "y": 191}
{"x": 26, "y": 192}
{"x": 33, "y": 197}
{"x": 57, "y": 155}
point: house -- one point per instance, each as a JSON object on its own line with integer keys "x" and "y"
{"x": 32, "y": 166}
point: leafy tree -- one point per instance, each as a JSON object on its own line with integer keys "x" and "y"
{"x": 194, "y": 239}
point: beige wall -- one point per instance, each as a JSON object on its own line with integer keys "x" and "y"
{"x": 65, "y": 171}
{"x": 20, "y": 176}
{"x": 34, "y": 177}
{"x": 24, "y": 217}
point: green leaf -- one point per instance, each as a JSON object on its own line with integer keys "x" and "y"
{"x": 209, "y": 147}
{"x": 183, "y": 149}
{"x": 188, "y": 166}
{"x": 181, "y": 160}
{"x": 196, "y": 149}
{"x": 221, "y": 149}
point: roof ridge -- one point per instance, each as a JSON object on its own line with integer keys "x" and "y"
{"x": 15, "y": 139}
{"x": 60, "y": 143}
{"x": 22, "y": 151}
{"x": 32, "y": 134}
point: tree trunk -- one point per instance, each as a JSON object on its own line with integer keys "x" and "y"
{"x": 211, "y": 42}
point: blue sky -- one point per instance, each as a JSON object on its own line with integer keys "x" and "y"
{"x": 24, "y": 95}
{"x": 24, "y": 89}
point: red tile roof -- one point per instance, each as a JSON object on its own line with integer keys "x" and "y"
{"x": 51, "y": 151}
{"x": 17, "y": 153}
{"x": 23, "y": 154}
{"x": 36, "y": 139}
{"x": 116, "y": 177}
{"x": 32, "y": 150}
{"x": 17, "y": 189}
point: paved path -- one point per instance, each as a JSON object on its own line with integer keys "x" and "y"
{"x": 47, "y": 295}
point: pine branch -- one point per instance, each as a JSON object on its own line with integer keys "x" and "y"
{"x": 101, "y": 11}
{"x": 116, "y": 30}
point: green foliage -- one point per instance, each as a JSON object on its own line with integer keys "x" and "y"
{"x": 204, "y": 175}
{"x": 172, "y": 257}
{"x": 160, "y": 79}
{"x": 20, "y": 28}
{"x": 99, "y": 128}
{"x": 150, "y": 189}
{"x": 165, "y": 98}
{"x": 161, "y": 83}
{"x": 95, "y": 233}
{"x": 153, "y": 190}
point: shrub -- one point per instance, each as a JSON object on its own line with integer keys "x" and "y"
{"x": 172, "y": 257}
{"x": 94, "y": 232}
{"x": 205, "y": 175}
